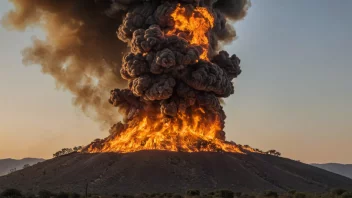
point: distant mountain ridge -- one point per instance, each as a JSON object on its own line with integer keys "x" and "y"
{"x": 341, "y": 169}
{"x": 6, "y": 165}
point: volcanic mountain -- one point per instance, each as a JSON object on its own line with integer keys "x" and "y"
{"x": 164, "y": 171}
{"x": 176, "y": 76}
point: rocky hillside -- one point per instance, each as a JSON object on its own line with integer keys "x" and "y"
{"x": 162, "y": 171}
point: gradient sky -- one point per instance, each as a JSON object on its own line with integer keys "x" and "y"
{"x": 294, "y": 95}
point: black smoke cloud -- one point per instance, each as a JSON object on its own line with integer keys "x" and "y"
{"x": 164, "y": 73}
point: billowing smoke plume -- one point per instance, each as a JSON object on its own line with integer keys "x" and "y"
{"x": 166, "y": 71}
{"x": 80, "y": 51}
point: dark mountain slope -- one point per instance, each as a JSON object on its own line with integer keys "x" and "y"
{"x": 162, "y": 171}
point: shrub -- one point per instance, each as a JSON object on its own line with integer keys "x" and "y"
{"x": 338, "y": 191}
{"x": 224, "y": 194}
{"x": 44, "y": 194}
{"x": 142, "y": 195}
{"x": 62, "y": 195}
{"x": 270, "y": 194}
{"x": 193, "y": 192}
{"x": 346, "y": 195}
{"x": 155, "y": 195}
{"x": 300, "y": 195}
{"x": 74, "y": 195}
{"x": 292, "y": 192}
{"x": 11, "y": 192}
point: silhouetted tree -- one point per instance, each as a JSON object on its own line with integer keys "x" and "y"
{"x": 77, "y": 148}
{"x": 66, "y": 151}
{"x": 258, "y": 150}
{"x": 63, "y": 151}
{"x": 273, "y": 152}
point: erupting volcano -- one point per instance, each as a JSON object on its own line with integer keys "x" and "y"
{"x": 172, "y": 65}
{"x": 176, "y": 79}
{"x": 163, "y": 61}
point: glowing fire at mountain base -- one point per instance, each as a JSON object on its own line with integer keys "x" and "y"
{"x": 186, "y": 133}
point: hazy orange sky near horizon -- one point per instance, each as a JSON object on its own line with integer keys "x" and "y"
{"x": 294, "y": 94}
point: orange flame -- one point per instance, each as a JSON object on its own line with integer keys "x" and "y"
{"x": 187, "y": 133}
{"x": 196, "y": 25}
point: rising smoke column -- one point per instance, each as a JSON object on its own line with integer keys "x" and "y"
{"x": 176, "y": 77}
{"x": 80, "y": 50}
{"x": 173, "y": 74}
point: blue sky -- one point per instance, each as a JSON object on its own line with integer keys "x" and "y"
{"x": 294, "y": 94}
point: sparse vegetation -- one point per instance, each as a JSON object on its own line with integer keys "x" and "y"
{"x": 338, "y": 191}
{"x": 193, "y": 192}
{"x": 346, "y": 195}
{"x": 334, "y": 193}
{"x": 273, "y": 152}
{"x": 224, "y": 194}
{"x": 299, "y": 195}
{"x": 271, "y": 194}
{"x": 66, "y": 151}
